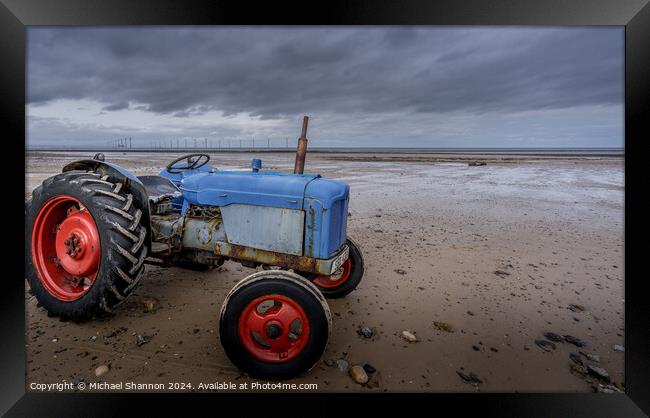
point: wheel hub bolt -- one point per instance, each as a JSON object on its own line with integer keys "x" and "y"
{"x": 273, "y": 331}
{"x": 73, "y": 245}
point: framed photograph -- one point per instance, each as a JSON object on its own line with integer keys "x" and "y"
{"x": 428, "y": 198}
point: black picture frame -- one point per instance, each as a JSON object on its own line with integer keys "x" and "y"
{"x": 16, "y": 15}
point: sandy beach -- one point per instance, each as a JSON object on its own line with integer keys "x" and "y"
{"x": 477, "y": 261}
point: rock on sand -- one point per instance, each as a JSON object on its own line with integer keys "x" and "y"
{"x": 358, "y": 375}
{"x": 554, "y": 337}
{"x": 101, "y": 370}
{"x": 365, "y": 332}
{"x": 545, "y": 345}
{"x": 598, "y": 372}
{"x": 471, "y": 378}
{"x": 409, "y": 336}
{"x": 342, "y": 365}
{"x": 443, "y": 326}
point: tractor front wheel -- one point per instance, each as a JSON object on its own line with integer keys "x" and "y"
{"x": 274, "y": 325}
{"x": 85, "y": 244}
{"x": 346, "y": 279}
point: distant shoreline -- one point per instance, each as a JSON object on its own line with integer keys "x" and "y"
{"x": 557, "y": 152}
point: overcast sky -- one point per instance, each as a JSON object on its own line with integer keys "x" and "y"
{"x": 378, "y": 86}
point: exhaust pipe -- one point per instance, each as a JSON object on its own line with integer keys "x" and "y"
{"x": 301, "y": 151}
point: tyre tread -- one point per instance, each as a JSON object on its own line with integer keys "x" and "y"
{"x": 116, "y": 213}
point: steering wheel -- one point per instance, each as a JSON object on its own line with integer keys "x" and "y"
{"x": 193, "y": 161}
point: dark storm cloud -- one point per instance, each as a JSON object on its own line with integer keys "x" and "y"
{"x": 117, "y": 106}
{"x": 270, "y": 72}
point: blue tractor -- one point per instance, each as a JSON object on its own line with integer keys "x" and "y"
{"x": 92, "y": 228}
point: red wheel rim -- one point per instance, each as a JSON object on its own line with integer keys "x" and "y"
{"x": 337, "y": 279}
{"x": 65, "y": 248}
{"x": 274, "y": 328}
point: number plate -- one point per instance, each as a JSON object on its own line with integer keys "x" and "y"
{"x": 338, "y": 262}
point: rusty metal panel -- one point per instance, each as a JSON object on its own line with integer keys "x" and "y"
{"x": 286, "y": 261}
{"x": 266, "y": 228}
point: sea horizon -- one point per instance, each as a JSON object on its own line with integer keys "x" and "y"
{"x": 406, "y": 150}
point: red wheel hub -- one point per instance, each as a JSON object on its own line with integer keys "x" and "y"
{"x": 65, "y": 248}
{"x": 336, "y": 279}
{"x": 274, "y": 328}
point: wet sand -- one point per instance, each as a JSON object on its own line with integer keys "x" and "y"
{"x": 433, "y": 234}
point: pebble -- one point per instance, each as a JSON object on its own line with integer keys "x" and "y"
{"x": 607, "y": 389}
{"x": 598, "y": 372}
{"x": 369, "y": 369}
{"x": 545, "y": 345}
{"x": 591, "y": 357}
{"x": 471, "y": 378}
{"x": 143, "y": 339}
{"x": 343, "y": 365}
{"x": 101, "y": 370}
{"x": 400, "y": 271}
{"x": 576, "y": 308}
{"x": 443, "y": 326}
{"x": 618, "y": 348}
{"x": 553, "y": 337}
{"x": 330, "y": 363}
{"x": 365, "y": 332}
{"x": 501, "y": 273}
{"x": 576, "y": 358}
{"x": 410, "y": 337}
{"x": 359, "y": 375}
{"x": 149, "y": 304}
{"x": 573, "y": 340}
{"x": 93, "y": 338}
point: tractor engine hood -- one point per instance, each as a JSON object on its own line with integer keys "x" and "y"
{"x": 281, "y": 190}
{"x": 323, "y": 201}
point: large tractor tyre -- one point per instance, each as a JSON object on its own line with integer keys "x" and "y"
{"x": 346, "y": 279}
{"x": 85, "y": 244}
{"x": 274, "y": 325}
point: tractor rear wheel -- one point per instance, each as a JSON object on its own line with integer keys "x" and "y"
{"x": 274, "y": 325}
{"x": 85, "y": 244}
